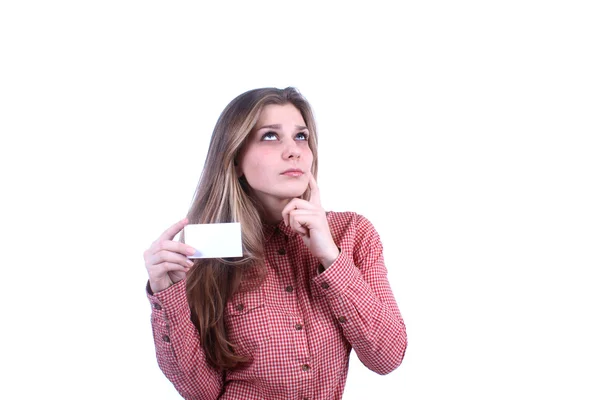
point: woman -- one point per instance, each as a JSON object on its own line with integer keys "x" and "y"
{"x": 280, "y": 322}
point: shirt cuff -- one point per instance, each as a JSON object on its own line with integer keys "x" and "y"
{"x": 334, "y": 280}
{"x": 170, "y": 304}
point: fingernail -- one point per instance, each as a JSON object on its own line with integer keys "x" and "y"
{"x": 190, "y": 262}
{"x": 191, "y": 250}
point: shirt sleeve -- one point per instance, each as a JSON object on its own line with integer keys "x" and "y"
{"x": 178, "y": 350}
{"x": 362, "y": 301}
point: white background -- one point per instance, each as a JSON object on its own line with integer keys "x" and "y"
{"x": 466, "y": 131}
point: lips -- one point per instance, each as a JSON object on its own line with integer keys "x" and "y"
{"x": 293, "y": 172}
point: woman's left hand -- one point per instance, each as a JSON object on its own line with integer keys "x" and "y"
{"x": 309, "y": 220}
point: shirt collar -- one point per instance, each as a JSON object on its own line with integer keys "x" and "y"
{"x": 274, "y": 229}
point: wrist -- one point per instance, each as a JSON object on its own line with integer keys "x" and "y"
{"x": 330, "y": 259}
{"x": 157, "y": 287}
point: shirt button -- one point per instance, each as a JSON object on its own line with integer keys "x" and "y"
{"x": 281, "y": 251}
{"x": 305, "y": 367}
{"x": 289, "y": 289}
{"x": 325, "y": 285}
{"x": 165, "y": 338}
{"x": 298, "y": 327}
{"x": 157, "y": 306}
{"x": 239, "y": 307}
{"x": 342, "y": 319}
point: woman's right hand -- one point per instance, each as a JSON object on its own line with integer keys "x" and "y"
{"x": 166, "y": 260}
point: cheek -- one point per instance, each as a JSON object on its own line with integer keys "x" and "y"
{"x": 308, "y": 155}
{"x": 257, "y": 161}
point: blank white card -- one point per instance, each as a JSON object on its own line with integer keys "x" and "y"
{"x": 214, "y": 240}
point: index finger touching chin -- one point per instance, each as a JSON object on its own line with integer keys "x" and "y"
{"x": 315, "y": 196}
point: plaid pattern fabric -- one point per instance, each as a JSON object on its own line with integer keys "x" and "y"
{"x": 298, "y": 327}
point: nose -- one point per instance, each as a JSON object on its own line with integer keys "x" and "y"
{"x": 291, "y": 150}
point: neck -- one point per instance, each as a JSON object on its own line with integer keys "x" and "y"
{"x": 272, "y": 209}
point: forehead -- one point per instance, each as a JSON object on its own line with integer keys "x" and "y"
{"x": 280, "y": 114}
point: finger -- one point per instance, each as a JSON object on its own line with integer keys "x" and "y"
{"x": 300, "y": 221}
{"x": 169, "y": 256}
{"x": 315, "y": 193}
{"x": 170, "y": 233}
{"x": 170, "y": 267}
{"x": 161, "y": 270}
{"x": 297, "y": 204}
{"x": 299, "y": 227}
{"x": 289, "y": 207}
{"x": 294, "y": 204}
{"x": 176, "y": 247}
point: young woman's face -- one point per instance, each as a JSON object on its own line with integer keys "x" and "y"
{"x": 276, "y": 160}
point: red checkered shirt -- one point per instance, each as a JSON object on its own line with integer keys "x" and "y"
{"x": 299, "y": 326}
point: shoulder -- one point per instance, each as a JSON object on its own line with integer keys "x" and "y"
{"x": 348, "y": 223}
{"x": 355, "y": 235}
{"x": 347, "y": 217}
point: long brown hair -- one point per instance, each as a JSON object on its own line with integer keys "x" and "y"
{"x": 221, "y": 197}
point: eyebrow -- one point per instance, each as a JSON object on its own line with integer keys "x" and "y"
{"x": 278, "y": 126}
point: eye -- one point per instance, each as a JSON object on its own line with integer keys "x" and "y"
{"x": 269, "y": 136}
{"x": 302, "y": 135}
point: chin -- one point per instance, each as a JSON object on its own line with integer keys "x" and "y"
{"x": 283, "y": 192}
{"x": 289, "y": 194}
